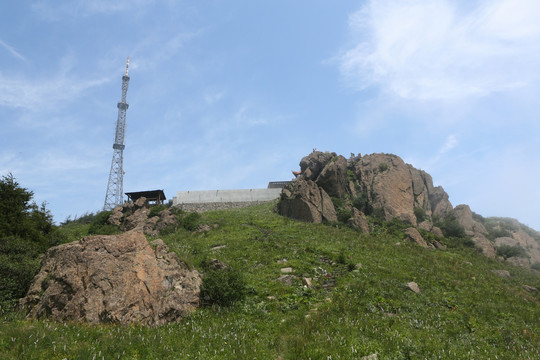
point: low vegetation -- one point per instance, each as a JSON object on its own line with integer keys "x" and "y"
{"x": 358, "y": 303}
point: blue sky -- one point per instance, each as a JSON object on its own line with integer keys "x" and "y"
{"x": 232, "y": 94}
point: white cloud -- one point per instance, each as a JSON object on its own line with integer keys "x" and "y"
{"x": 13, "y": 52}
{"x": 39, "y": 94}
{"x": 83, "y": 8}
{"x": 438, "y": 49}
{"x": 450, "y": 143}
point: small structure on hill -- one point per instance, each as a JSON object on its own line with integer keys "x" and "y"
{"x": 153, "y": 197}
{"x": 205, "y": 200}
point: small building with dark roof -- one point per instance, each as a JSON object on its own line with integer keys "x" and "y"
{"x": 153, "y": 197}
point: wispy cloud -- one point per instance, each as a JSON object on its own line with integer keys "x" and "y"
{"x": 84, "y": 8}
{"x": 39, "y": 94}
{"x": 450, "y": 143}
{"x": 439, "y": 49}
{"x": 12, "y": 51}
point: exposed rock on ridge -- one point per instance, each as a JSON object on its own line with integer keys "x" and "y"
{"x": 137, "y": 216}
{"x": 333, "y": 188}
{"x": 377, "y": 182}
{"x": 113, "y": 278}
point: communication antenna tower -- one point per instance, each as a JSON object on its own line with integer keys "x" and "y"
{"x": 115, "y": 187}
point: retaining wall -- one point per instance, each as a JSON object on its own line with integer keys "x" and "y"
{"x": 205, "y": 200}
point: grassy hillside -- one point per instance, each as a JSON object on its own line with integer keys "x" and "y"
{"x": 359, "y": 305}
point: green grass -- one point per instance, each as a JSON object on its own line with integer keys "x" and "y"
{"x": 463, "y": 311}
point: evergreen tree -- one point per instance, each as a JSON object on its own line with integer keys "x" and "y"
{"x": 26, "y": 231}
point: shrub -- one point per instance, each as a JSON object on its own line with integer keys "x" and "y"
{"x": 222, "y": 287}
{"x": 362, "y": 203}
{"x": 85, "y": 218}
{"x": 351, "y": 176}
{"x": 383, "y": 167}
{"x": 343, "y": 214}
{"x": 507, "y": 251}
{"x": 156, "y": 210}
{"x": 536, "y": 266}
{"x": 451, "y": 227}
{"x": 101, "y": 226}
{"x": 420, "y": 214}
{"x": 497, "y": 233}
{"x": 190, "y": 221}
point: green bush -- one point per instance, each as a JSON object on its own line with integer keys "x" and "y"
{"x": 362, "y": 203}
{"x": 101, "y": 226}
{"x": 222, "y": 287}
{"x": 420, "y": 214}
{"x": 451, "y": 227}
{"x": 85, "y": 218}
{"x": 383, "y": 167}
{"x": 156, "y": 210}
{"x": 190, "y": 221}
{"x": 343, "y": 214}
{"x": 507, "y": 251}
{"x": 351, "y": 176}
{"x": 536, "y": 266}
{"x": 497, "y": 233}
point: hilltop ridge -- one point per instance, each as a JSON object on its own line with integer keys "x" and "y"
{"x": 332, "y": 188}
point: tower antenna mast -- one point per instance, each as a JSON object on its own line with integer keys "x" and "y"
{"x": 115, "y": 187}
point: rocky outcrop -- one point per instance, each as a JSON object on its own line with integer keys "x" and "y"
{"x": 380, "y": 183}
{"x": 474, "y": 229}
{"x": 387, "y": 182}
{"x": 520, "y": 245}
{"x": 137, "y": 216}
{"x": 113, "y": 278}
{"x": 304, "y": 200}
{"x": 413, "y": 235}
{"x": 464, "y": 216}
{"x": 358, "y": 221}
{"x": 331, "y": 188}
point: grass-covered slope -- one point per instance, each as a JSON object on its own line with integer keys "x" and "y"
{"x": 359, "y": 305}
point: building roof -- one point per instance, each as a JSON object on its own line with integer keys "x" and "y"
{"x": 150, "y": 195}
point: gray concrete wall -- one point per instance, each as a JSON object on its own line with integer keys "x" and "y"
{"x": 226, "y": 196}
{"x": 202, "y": 207}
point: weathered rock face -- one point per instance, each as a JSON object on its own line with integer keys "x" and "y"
{"x": 136, "y": 216}
{"x": 387, "y": 182}
{"x": 304, "y": 200}
{"x": 464, "y": 216}
{"x": 358, "y": 221}
{"x": 383, "y": 181}
{"x": 113, "y": 278}
{"x": 413, "y": 235}
{"x": 333, "y": 177}
{"x": 474, "y": 229}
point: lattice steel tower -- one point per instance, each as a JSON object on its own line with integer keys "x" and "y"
{"x": 115, "y": 187}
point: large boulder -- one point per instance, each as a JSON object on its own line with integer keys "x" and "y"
{"x": 464, "y": 217}
{"x": 312, "y": 165}
{"x": 304, "y": 200}
{"x": 333, "y": 177}
{"x": 113, "y": 278}
{"x": 358, "y": 221}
